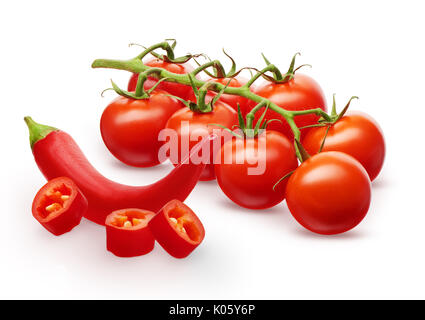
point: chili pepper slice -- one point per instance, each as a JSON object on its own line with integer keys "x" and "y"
{"x": 177, "y": 229}
{"x": 57, "y": 154}
{"x": 127, "y": 232}
{"x": 59, "y": 205}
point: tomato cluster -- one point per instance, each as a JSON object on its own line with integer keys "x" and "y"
{"x": 327, "y": 193}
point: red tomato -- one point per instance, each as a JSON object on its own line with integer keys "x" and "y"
{"x": 356, "y": 134}
{"x": 176, "y": 89}
{"x": 130, "y": 127}
{"x": 329, "y": 193}
{"x": 300, "y": 93}
{"x": 199, "y": 125}
{"x": 249, "y": 190}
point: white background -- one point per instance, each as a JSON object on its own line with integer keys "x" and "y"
{"x": 373, "y": 49}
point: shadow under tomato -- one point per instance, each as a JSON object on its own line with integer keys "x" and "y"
{"x": 284, "y": 218}
{"x": 228, "y": 204}
{"x": 209, "y": 183}
{"x": 380, "y": 183}
{"x": 349, "y": 235}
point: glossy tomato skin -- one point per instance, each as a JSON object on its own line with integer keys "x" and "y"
{"x": 300, "y": 93}
{"x": 176, "y": 89}
{"x": 200, "y": 125}
{"x": 356, "y": 134}
{"x": 130, "y": 127}
{"x": 329, "y": 193}
{"x": 255, "y": 191}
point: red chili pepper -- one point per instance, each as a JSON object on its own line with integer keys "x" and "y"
{"x": 59, "y": 205}
{"x": 57, "y": 154}
{"x": 177, "y": 229}
{"x": 127, "y": 232}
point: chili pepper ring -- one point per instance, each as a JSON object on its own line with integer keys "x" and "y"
{"x": 59, "y": 205}
{"x": 127, "y": 232}
{"x": 177, "y": 229}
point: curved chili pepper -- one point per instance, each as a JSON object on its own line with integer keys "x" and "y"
{"x": 177, "y": 229}
{"x": 59, "y": 205}
{"x": 57, "y": 154}
{"x": 127, "y": 232}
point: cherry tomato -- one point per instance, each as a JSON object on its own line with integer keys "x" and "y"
{"x": 329, "y": 193}
{"x": 199, "y": 124}
{"x": 130, "y": 127}
{"x": 238, "y": 156}
{"x": 300, "y": 93}
{"x": 356, "y": 134}
{"x": 176, "y": 89}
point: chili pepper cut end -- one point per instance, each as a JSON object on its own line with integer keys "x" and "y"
{"x": 127, "y": 232}
{"x": 59, "y": 205}
{"x": 177, "y": 229}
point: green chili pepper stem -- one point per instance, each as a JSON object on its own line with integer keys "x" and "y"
{"x": 37, "y": 131}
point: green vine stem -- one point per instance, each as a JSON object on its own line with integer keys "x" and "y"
{"x": 136, "y": 65}
{"x": 140, "y": 91}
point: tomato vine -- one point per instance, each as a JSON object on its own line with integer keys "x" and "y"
{"x": 136, "y": 65}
